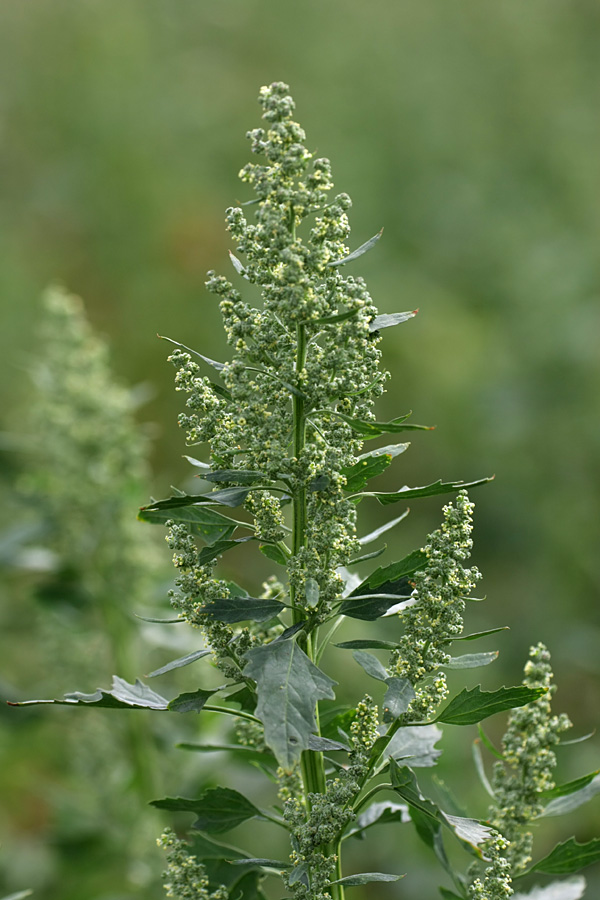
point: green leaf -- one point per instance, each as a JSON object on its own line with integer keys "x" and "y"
{"x": 365, "y": 878}
{"x": 469, "y": 831}
{"x": 373, "y": 555}
{"x": 561, "y": 790}
{"x": 289, "y": 687}
{"x": 478, "y": 760}
{"x": 373, "y": 535}
{"x": 387, "y": 320}
{"x": 207, "y": 554}
{"x": 203, "y": 522}
{"x": 398, "y": 697}
{"x": 249, "y": 753}
{"x": 233, "y": 496}
{"x": 479, "y": 634}
{"x": 218, "y": 809}
{"x": 472, "y": 706}
{"x": 568, "y": 857}
{"x": 20, "y": 895}
{"x": 238, "y": 266}
{"x": 191, "y": 701}
{"x": 337, "y": 317}
{"x": 386, "y": 575}
{"x": 235, "y": 476}
{"x": 569, "y": 889}
{"x": 122, "y": 696}
{"x": 367, "y": 645}
{"x": 275, "y": 553}
{"x": 405, "y": 784}
{"x": 471, "y": 660}
{"x": 369, "y": 465}
{"x": 260, "y": 861}
{"x": 179, "y": 663}
{"x": 428, "y": 490}
{"x": 416, "y": 743}
{"x": 364, "y": 248}
{"x": 450, "y": 895}
{"x": 566, "y": 803}
{"x": 381, "y": 813}
{"x": 320, "y": 483}
{"x": 206, "y": 848}
{"x": 325, "y": 745}
{"x": 371, "y": 665}
{"x": 177, "y": 621}
{"x": 242, "y": 609}
{"x": 368, "y": 607}
{"x": 211, "y": 362}
{"x": 370, "y": 429}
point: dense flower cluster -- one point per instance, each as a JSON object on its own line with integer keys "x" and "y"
{"x": 185, "y": 877}
{"x": 436, "y": 617}
{"x": 528, "y": 763}
{"x": 497, "y": 882}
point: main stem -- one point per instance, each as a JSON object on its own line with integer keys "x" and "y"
{"x": 312, "y": 764}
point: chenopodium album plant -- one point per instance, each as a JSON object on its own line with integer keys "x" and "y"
{"x": 285, "y": 420}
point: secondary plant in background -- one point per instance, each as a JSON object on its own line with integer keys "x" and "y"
{"x": 285, "y": 420}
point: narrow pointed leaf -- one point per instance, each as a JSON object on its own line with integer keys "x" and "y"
{"x": 370, "y": 429}
{"x": 325, "y": 745}
{"x": 191, "y": 701}
{"x": 567, "y": 802}
{"x": 238, "y": 266}
{"x": 211, "y": 362}
{"x": 203, "y": 522}
{"x": 20, "y": 895}
{"x": 479, "y": 634}
{"x": 373, "y": 535}
{"x": 367, "y": 645}
{"x": 369, "y": 465}
{"x": 122, "y": 696}
{"x": 177, "y": 621}
{"x": 289, "y": 687}
{"x": 197, "y": 463}
{"x": 260, "y": 861}
{"x": 365, "y": 878}
{"x": 337, "y": 317}
{"x": 428, "y": 490}
{"x": 472, "y": 706}
{"x": 242, "y": 609}
{"x": 247, "y": 753}
{"x": 450, "y": 895}
{"x": 471, "y": 660}
{"x": 561, "y": 790}
{"x": 569, "y": 857}
{"x": 368, "y": 607}
{"x": 218, "y": 809}
{"x": 234, "y": 476}
{"x": 207, "y": 554}
{"x": 405, "y": 784}
{"x": 569, "y": 889}
{"x": 364, "y": 248}
{"x": 179, "y": 663}
{"x": 373, "y": 555}
{"x": 478, "y": 759}
{"x": 387, "y": 320}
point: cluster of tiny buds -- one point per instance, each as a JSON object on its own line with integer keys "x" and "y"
{"x": 496, "y": 883}
{"x": 185, "y": 876}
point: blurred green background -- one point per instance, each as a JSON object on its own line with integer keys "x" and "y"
{"x": 471, "y": 132}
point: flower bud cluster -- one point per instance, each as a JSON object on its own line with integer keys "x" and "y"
{"x": 528, "y": 761}
{"x": 497, "y": 882}
{"x": 185, "y": 877}
{"x": 437, "y": 615}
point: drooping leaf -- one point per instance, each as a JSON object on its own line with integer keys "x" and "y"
{"x": 242, "y": 609}
{"x": 373, "y": 555}
{"x": 275, "y": 553}
{"x": 191, "y": 701}
{"x": 234, "y": 476}
{"x": 479, "y": 634}
{"x": 203, "y": 522}
{"x": 569, "y": 857}
{"x": 373, "y": 535}
{"x": 179, "y": 663}
{"x": 289, "y": 687}
{"x": 369, "y": 465}
{"x": 567, "y": 802}
{"x": 472, "y": 706}
{"x": 386, "y": 575}
{"x": 218, "y": 809}
{"x": 381, "y": 813}
{"x": 122, "y": 696}
{"x": 471, "y": 660}
{"x": 387, "y": 320}
{"x": 569, "y": 889}
{"x": 416, "y": 744}
{"x": 364, "y": 248}
{"x": 365, "y": 878}
{"x": 367, "y": 645}
{"x": 398, "y": 697}
{"x": 428, "y": 490}
{"x": 211, "y": 362}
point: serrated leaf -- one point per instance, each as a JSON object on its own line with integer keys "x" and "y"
{"x": 568, "y": 857}
{"x": 211, "y": 362}
{"x": 470, "y": 831}
{"x": 373, "y": 535}
{"x": 471, "y": 660}
{"x": 367, "y": 645}
{"x": 388, "y": 320}
{"x": 365, "y": 878}
{"x": 472, "y": 706}
{"x": 381, "y": 813}
{"x": 569, "y": 889}
{"x": 179, "y": 663}
{"x": 567, "y": 802}
{"x": 234, "y": 476}
{"x": 274, "y": 553}
{"x": 203, "y": 522}
{"x": 369, "y": 465}
{"x": 218, "y": 809}
{"x": 241, "y": 609}
{"x": 191, "y": 701}
{"x": 398, "y": 697}
{"x": 364, "y": 248}
{"x": 416, "y": 744}
{"x": 479, "y": 634}
{"x": 122, "y": 696}
{"x": 289, "y": 687}
{"x": 428, "y": 490}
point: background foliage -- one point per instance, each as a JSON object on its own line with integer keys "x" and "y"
{"x": 470, "y": 131}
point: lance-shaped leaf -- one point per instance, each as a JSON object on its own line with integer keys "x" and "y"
{"x": 368, "y": 429}
{"x": 385, "y": 576}
{"x": 234, "y": 476}
{"x": 369, "y": 465}
{"x": 242, "y": 609}
{"x": 289, "y": 687}
{"x": 479, "y": 634}
{"x": 238, "y": 266}
{"x": 211, "y": 362}
{"x": 20, "y": 895}
{"x": 275, "y": 553}
{"x": 478, "y": 760}
{"x": 122, "y": 696}
{"x": 471, "y": 660}
{"x": 180, "y": 662}
{"x": 373, "y": 555}
{"x": 428, "y": 490}
{"x": 337, "y": 317}
{"x": 387, "y": 320}
{"x": 568, "y": 857}
{"x": 373, "y": 535}
{"x": 203, "y": 522}
{"x": 366, "y": 644}
{"x": 566, "y": 802}
{"x": 569, "y": 889}
{"x": 365, "y": 878}
{"x": 218, "y": 809}
{"x": 192, "y": 701}
{"x": 233, "y": 496}
{"x": 381, "y": 813}
{"x": 241, "y": 750}
{"x": 368, "y": 607}
{"x": 570, "y": 787}
{"x": 364, "y": 248}
{"x": 472, "y": 706}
